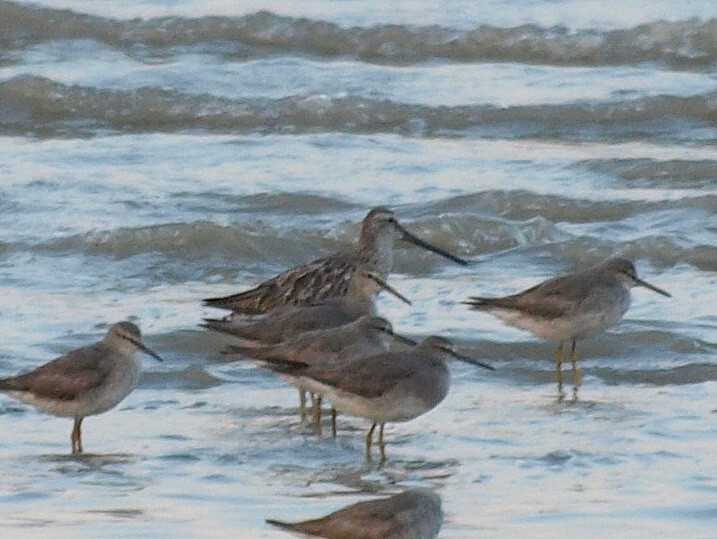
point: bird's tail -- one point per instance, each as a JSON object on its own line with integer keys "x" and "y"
{"x": 282, "y": 365}
{"x": 249, "y": 349}
{"x": 280, "y": 524}
{"x": 478, "y": 303}
{"x": 222, "y": 325}
{"x": 247, "y": 302}
{"x": 311, "y": 527}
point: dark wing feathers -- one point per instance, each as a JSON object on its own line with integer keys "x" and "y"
{"x": 252, "y": 330}
{"x": 361, "y": 377}
{"x": 64, "y": 378}
{"x": 366, "y": 520}
{"x": 550, "y": 299}
{"x": 309, "y": 283}
{"x": 284, "y": 366}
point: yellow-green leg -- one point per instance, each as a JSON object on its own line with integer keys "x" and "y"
{"x": 381, "y": 443}
{"x": 316, "y": 407}
{"x": 369, "y": 441}
{"x": 577, "y": 377}
{"x": 302, "y": 404}
{"x": 333, "y": 422}
{"x": 76, "y": 436}
{"x": 559, "y": 369}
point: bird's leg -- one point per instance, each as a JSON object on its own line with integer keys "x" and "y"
{"x": 333, "y": 422}
{"x": 577, "y": 377}
{"x": 76, "y": 436}
{"x": 369, "y": 440}
{"x": 302, "y": 404}
{"x": 381, "y": 443}
{"x": 559, "y": 370}
{"x": 316, "y": 407}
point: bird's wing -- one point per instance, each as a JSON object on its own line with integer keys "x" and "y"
{"x": 309, "y": 283}
{"x": 359, "y": 376}
{"x": 66, "y": 377}
{"x": 374, "y": 519}
{"x": 550, "y": 299}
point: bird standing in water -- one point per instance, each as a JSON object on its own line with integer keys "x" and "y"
{"x": 570, "y": 308}
{"x": 86, "y": 381}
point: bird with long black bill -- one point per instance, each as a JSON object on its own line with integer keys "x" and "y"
{"x": 570, "y": 308}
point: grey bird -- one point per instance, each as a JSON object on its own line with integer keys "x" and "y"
{"x": 329, "y": 276}
{"x": 366, "y": 336}
{"x": 386, "y": 387}
{"x": 569, "y": 308}
{"x": 412, "y": 514}
{"x": 289, "y": 321}
{"x": 86, "y": 381}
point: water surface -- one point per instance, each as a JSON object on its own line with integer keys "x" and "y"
{"x": 157, "y": 153}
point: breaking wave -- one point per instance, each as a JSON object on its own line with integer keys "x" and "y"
{"x": 35, "y": 104}
{"x": 683, "y": 44}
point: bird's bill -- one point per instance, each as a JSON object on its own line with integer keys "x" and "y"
{"x": 385, "y": 286}
{"x": 145, "y": 349}
{"x": 404, "y": 340}
{"x": 415, "y": 240}
{"x": 652, "y": 287}
{"x": 473, "y": 361}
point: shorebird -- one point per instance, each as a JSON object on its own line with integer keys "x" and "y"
{"x": 366, "y": 336}
{"x": 412, "y": 514}
{"x": 570, "y": 308}
{"x": 86, "y": 381}
{"x": 290, "y": 320}
{"x": 330, "y": 276}
{"x": 387, "y": 387}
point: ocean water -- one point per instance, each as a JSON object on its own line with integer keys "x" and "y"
{"x": 154, "y": 153}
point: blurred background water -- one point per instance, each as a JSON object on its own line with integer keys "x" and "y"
{"x": 158, "y": 152}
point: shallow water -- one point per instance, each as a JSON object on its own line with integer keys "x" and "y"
{"x": 149, "y": 163}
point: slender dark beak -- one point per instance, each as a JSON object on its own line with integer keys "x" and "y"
{"x": 404, "y": 340}
{"x": 472, "y": 361}
{"x": 424, "y": 244}
{"x": 652, "y": 287}
{"x": 387, "y": 288}
{"x": 144, "y": 349}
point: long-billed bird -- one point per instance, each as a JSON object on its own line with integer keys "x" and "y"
{"x": 369, "y": 335}
{"x": 570, "y": 308}
{"x": 86, "y": 381}
{"x": 386, "y": 387}
{"x": 330, "y": 276}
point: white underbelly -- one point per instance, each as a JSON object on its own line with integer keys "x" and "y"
{"x": 563, "y": 328}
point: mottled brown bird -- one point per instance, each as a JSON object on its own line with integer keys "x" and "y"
{"x": 329, "y": 276}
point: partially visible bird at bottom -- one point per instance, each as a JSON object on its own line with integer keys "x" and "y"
{"x": 412, "y": 514}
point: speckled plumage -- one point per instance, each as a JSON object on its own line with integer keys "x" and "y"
{"x": 329, "y": 276}
{"x": 291, "y": 320}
